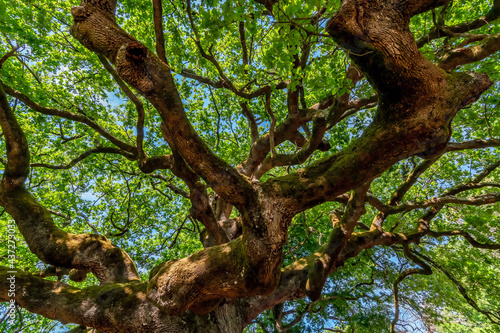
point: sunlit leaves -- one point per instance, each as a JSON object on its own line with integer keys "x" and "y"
{"x": 143, "y": 214}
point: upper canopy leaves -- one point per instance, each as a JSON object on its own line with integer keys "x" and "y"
{"x": 254, "y": 104}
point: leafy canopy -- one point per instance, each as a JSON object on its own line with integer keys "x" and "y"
{"x": 148, "y": 215}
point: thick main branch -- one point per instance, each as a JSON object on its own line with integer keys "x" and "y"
{"x": 417, "y": 101}
{"x": 95, "y": 27}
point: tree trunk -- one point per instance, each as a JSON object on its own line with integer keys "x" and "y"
{"x": 224, "y": 287}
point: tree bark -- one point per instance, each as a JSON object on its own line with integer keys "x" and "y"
{"x": 224, "y": 287}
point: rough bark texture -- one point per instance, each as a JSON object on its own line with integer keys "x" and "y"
{"x": 224, "y": 287}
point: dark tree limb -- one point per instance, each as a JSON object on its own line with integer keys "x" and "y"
{"x": 160, "y": 162}
{"x": 138, "y": 105}
{"x": 208, "y": 56}
{"x": 243, "y": 41}
{"x": 71, "y": 116}
{"x": 259, "y": 150}
{"x": 294, "y": 277}
{"x": 136, "y": 65}
{"x": 174, "y": 189}
{"x": 7, "y": 55}
{"x": 449, "y": 199}
{"x": 64, "y": 216}
{"x": 319, "y": 129}
{"x": 450, "y": 31}
{"x": 190, "y": 74}
{"x": 187, "y": 73}
{"x": 400, "y": 192}
{"x": 59, "y": 248}
{"x": 413, "y": 8}
{"x": 200, "y": 209}
{"x": 474, "y": 144}
{"x": 99, "y": 307}
{"x": 116, "y": 307}
{"x": 436, "y": 203}
{"x": 412, "y": 178}
{"x": 73, "y": 162}
{"x": 466, "y": 55}
{"x": 431, "y": 213}
{"x": 343, "y": 228}
{"x": 334, "y": 111}
{"x": 254, "y": 130}
{"x": 268, "y": 4}
{"x": 288, "y": 130}
{"x": 158, "y": 23}
{"x": 467, "y": 236}
{"x": 176, "y": 286}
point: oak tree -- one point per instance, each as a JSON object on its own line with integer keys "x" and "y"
{"x": 268, "y": 165}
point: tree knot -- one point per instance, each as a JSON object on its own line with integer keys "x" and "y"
{"x": 80, "y": 13}
{"x": 136, "y": 51}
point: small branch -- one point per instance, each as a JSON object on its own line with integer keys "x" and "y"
{"x": 137, "y": 102}
{"x": 319, "y": 129}
{"x": 198, "y": 196}
{"x": 354, "y": 75}
{"x": 241, "y": 29}
{"x": 225, "y": 82}
{"x": 486, "y": 172}
{"x": 474, "y": 144}
{"x": 98, "y": 150}
{"x": 87, "y": 221}
{"x": 173, "y": 188}
{"x": 11, "y": 53}
{"x": 178, "y": 232}
{"x": 67, "y": 217}
{"x": 272, "y": 146}
{"x": 412, "y": 178}
{"x": 192, "y": 75}
{"x": 71, "y": 116}
{"x": 254, "y": 130}
{"x": 35, "y": 75}
{"x": 424, "y": 221}
{"x": 400, "y": 192}
{"x": 467, "y": 236}
{"x": 209, "y": 56}
{"x": 425, "y": 269}
{"x": 451, "y": 31}
{"x": 449, "y": 199}
{"x": 218, "y": 118}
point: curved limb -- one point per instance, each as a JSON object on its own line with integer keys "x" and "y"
{"x": 51, "y": 244}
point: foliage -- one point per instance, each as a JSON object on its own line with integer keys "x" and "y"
{"x": 146, "y": 215}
